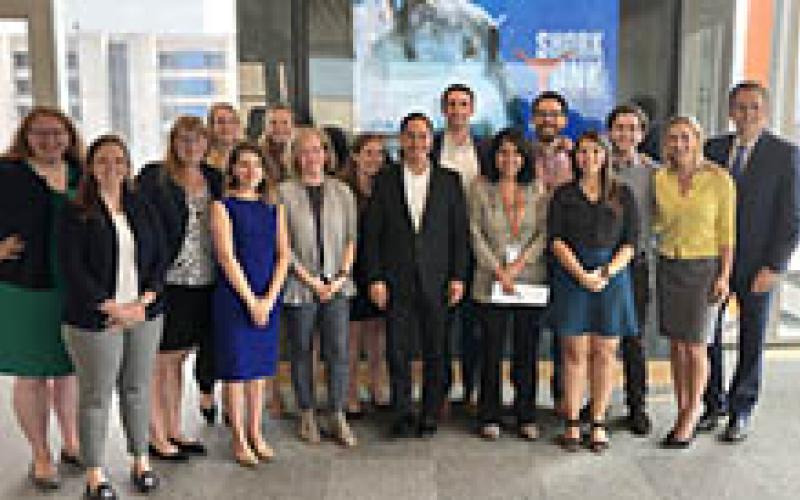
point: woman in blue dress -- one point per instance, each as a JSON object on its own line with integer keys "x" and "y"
{"x": 252, "y": 250}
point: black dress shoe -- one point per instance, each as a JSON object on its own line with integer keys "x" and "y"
{"x": 402, "y": 428}
{"x": 145, "y": 482}
{"x": 104, "y": 491}
{"x": 639, "y": 422}
{"x": 708, "y": 421}
{"x": 209, "y": 414}
{"x": 736, "y": 430}
{"x": 178, "y": 456}
{"x": 427, "y": 427}
{"x": 190, "y": 447}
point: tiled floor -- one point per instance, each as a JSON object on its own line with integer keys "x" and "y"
{"x": 457, "y": 465}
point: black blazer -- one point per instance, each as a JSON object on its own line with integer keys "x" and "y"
{"x": 394, "y": 253}
{"x": 27, "y": 209}
{"x": 767, "y": 204}
{"x": 169, "y": 200}
{"x": 481, "y": 146}
{"x": 89, "y": 255}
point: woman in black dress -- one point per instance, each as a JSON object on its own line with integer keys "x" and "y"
{"x": 366, "y": 321}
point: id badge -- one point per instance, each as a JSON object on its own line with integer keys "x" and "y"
{"x": 512, "y": 252}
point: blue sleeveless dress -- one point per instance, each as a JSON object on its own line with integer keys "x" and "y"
{"x": 242, "y": 350}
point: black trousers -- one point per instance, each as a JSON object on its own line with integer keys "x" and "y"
{"x": 495, "y": 321}
{"x": 633, "y": 360}
{"x": 469, "y": 345}
{"x": 411, "y": 321}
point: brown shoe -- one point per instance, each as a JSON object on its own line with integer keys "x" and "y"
{"x": 308, "y": 430}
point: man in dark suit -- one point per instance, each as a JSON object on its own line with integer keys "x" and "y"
{"x": 415, "y": 260}
{"x": 766, "y": 170}
{"x": 457, "y": 149}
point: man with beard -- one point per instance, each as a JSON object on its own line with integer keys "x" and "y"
{"x": 552, "y": 166}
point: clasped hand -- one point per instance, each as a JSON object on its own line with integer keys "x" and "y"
{"x": 594, "y": 280}
{"x": 121, "y": 316}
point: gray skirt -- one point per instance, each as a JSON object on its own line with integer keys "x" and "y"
{"x": 685, "y": 309}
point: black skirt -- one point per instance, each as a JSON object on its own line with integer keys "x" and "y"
{"x": 187, "y": 318}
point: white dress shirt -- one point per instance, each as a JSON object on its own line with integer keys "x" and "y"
{"x": 461, "y": 159}
{"x": 416, "y": 188}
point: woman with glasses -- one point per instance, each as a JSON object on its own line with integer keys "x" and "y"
{"x": 38, "y": 174}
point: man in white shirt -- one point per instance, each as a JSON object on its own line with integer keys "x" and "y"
{"x": 458, "y": 150}
{"x": 415, "y": 259}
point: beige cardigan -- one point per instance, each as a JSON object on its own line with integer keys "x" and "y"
{"x": 338, "y": 229}
{"x": 491, "y": 233}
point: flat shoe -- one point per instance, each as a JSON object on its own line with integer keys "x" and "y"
{"x": 178, "y": 456}
{"x": 190, "y": 447}
{"x": 69, "y": 459}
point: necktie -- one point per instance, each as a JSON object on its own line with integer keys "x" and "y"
{"x": 738, "y": 163}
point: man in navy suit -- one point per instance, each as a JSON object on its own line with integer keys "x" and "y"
{"x": 457, "y": 149}
{"x": 766, "y": 170}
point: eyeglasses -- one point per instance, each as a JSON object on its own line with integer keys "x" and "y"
{"x": 548, "y": 114}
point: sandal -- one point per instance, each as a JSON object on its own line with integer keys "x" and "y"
{"x": 570, "y": 444}
{"x": 598, "y": 445}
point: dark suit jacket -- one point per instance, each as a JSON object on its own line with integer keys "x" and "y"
{"x": 394, "y": 253}
{"x": 169, "y": 201}
{"x": 767, "y": 204}
{"x": 89, "y": 255}
{"x": 481, "y": 151}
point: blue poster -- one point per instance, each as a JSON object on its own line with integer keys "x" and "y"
{"x": 507, "y": 51}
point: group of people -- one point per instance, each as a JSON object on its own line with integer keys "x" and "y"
{"x": 233, "y": 249}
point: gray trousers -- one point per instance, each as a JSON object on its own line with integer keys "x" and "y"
{"x": 333, "y": 320}
{"x": 105, "y": 359}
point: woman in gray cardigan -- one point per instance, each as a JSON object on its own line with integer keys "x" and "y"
{"x": 508, "y": 216}
{"x": 321, "y": 217}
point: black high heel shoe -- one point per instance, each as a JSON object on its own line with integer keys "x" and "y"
{"x": 104, "y": 491}
{"x": 599, "y": 445}
{"x": 670, "y": 442}
{"x": 145, "y": 481}
{"x": 570, "y": 444}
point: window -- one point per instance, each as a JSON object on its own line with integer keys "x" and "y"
{"x": 74, "y": 86}
{"x": 191, "y": 60}
{"x": 72, "y": 61}
{"x": 23, "y": 87}
{"x": 187, "y": 87}
{"x": 21, "y": 60}
{"x": 170, "y": 112}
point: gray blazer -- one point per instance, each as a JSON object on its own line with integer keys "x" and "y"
{"x": 491, "y": 233}
{"x": 338, "y": 229}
